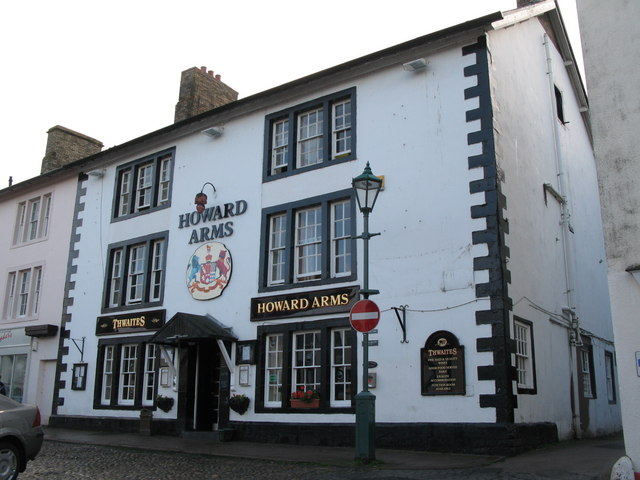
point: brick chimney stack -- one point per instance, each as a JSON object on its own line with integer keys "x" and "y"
{"x": 200, "y": 91}
{"x": 65, "y": 146}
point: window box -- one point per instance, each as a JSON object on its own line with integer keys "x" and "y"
{"x": 314, "y": 403}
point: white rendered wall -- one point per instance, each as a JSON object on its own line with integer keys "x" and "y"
{"x": 51, "y": 252}
{"x": 526, "y": 150}
{"x": 412, "y": 128}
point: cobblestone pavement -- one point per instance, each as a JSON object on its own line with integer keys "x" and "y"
{"x": 59, "y": 460}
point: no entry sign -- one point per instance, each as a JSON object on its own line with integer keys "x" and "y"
{"x": 364, "y": 316}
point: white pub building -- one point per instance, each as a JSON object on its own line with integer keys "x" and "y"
{"x": 214, "y": 262}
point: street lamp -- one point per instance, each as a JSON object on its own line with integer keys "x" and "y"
{"x": 366, "y": 186}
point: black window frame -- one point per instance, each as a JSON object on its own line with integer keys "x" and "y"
{"x": 533, "y": 390}
{"x": 588, "y": 348}
{"x": 133, "y": 168}
{"x": 118, "y": 343}
{"x": 559, "y": 105}
{"x": 326, "y": 103}
{"x": 290, "y": 209}
{"x": 148, "y": 240}
{"x": 288, "y": 330}
{"x": 612, "y": 372}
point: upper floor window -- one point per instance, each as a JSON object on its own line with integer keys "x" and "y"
{"x": 310, "y": 135}
{"x": 144, "y": 185}
{"x": 309, "y": 241}
{"x": 32, "y": 221}
{"x": 22, "y": 295}
{"x": 135, "y": 275}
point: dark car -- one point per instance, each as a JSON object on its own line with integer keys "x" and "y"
{"x": 21, "y": 436}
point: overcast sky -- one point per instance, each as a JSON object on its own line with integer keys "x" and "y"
{"x": 111, "y": 70}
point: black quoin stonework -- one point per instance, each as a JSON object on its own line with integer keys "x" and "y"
{"x": 68, "y": 300}
{"x": 501, "y": 372}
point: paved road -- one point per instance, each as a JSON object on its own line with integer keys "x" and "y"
{"x": 68, "y": 461}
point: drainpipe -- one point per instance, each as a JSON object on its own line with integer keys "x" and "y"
{"x": 569, "y": 312}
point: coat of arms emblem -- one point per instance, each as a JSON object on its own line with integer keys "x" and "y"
{"x": 209, "y": 271}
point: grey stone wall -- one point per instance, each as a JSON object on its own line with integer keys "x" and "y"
{"x": 65, "y": 146}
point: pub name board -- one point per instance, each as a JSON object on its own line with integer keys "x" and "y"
{"x": 213, "y": 223}
{"x": 131, "y": 323}
{"x": 318, "y": 302}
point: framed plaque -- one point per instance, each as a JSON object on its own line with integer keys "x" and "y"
{"x": 442, "y": 365}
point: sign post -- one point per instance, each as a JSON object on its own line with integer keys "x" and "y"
{"x": 366, "y": 188}
{"x": 364, "y": 317}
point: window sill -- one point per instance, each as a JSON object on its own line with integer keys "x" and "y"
{"x": 297, "y": 171}
{"x": 310, "y": 283}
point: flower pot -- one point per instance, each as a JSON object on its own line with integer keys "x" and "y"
{"x": 314, "y": 403}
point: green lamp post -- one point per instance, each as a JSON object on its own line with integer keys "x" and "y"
{"x": 366, "y": 186}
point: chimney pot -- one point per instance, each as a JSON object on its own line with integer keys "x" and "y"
{"x": 218, "y": 77}
{"x": 210, "y": 72}
{"x": 203, "y": 69}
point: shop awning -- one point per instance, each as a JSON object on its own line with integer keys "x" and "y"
{"x": 187, "y": 326}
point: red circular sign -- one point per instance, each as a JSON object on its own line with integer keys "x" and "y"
{"x": 364, "y": 316}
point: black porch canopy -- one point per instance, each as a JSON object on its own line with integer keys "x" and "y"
{"x": 187, "y": 326}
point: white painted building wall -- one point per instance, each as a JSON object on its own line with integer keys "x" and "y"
{"x": 412, "y": 128}
{"x": 423, "y": 258}
{"x": 535, "y": 148}
{"x": 51, "y": 253}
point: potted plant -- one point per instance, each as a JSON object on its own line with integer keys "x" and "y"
{"x": 239, "y": 403}
{"x": 164, "y": 403}
{"x": 305, "y": 398}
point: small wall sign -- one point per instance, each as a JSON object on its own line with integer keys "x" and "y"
{"x": 209, "y": 271}
{"x": 442, "y": 365}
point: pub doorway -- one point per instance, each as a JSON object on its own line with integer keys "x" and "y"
{"x": 204, "y": 388}
{"x": 203, "y": 348}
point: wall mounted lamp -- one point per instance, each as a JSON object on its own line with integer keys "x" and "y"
{"x": 414, "y": 65}
{"x": 214, "y": 132}
{"x": 201, "y": 198}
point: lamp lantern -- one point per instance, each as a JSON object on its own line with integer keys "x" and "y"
{"x": 367, "y": 187}
{"x": 201, "y": 198}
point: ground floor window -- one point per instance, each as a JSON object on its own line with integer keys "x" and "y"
{"x": 127, "y": 373}
{"x": 319, "y": 356}
{"x": 610, "y": 374}
{"x": 12, "y": 373}
{"x": 525, "y": 358}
